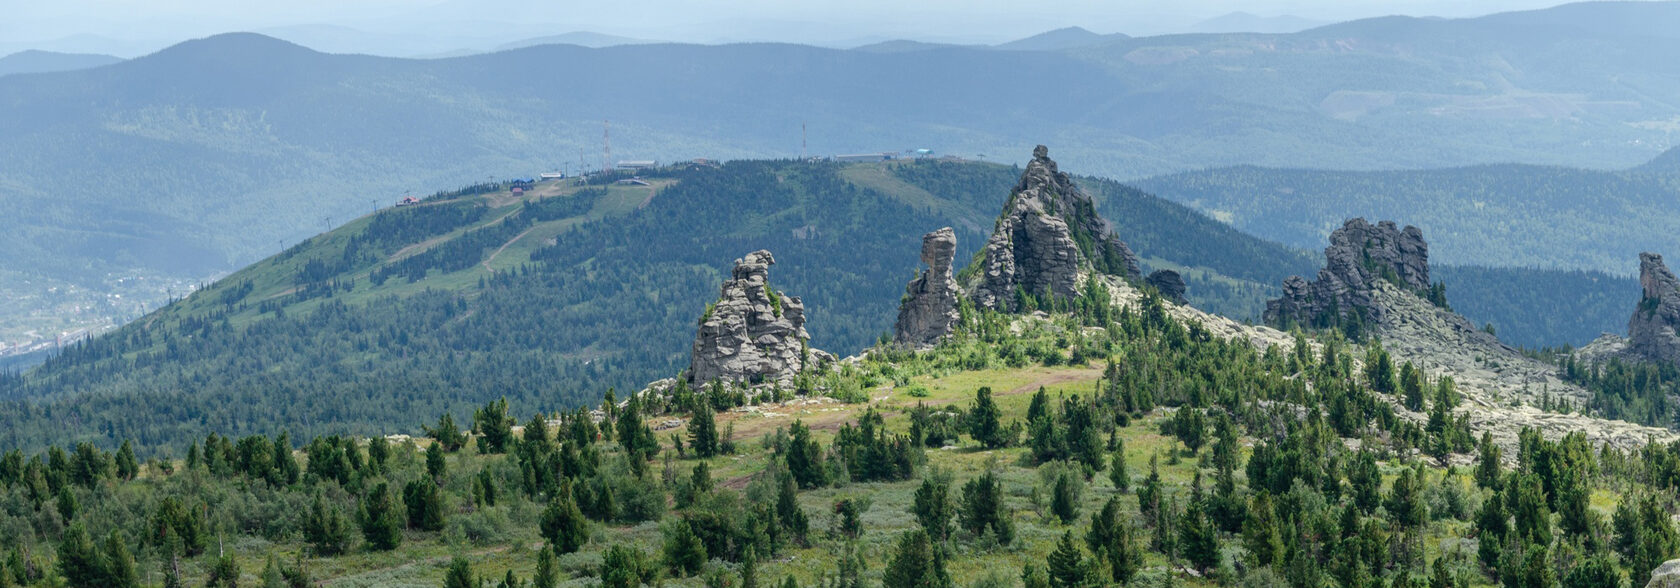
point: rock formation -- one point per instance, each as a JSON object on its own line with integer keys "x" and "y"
{"x": 1169, "y": 284}
{"x": 1359, "y": 255}
{"x": 1048, "y": 234}
{"x": 1666, "y": 575}
{"x": 929, "y": 310}
{"x": 750, "y": 335}
{"x": 1652, "y": 328}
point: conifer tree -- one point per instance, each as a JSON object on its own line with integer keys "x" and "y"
{"x": 127, "y": 466}
{"x": 804, "y": 457}
{"x": 1261, "y": 533}
{"x": 933, "y": 508}
{"x": 1405, "y": 500}
{"x": 381, "y": 520}
{"x": 1118, "y": 473}
{"x": 563, "y": 524}
{"x": 460, "y": 574}
{"x": 1198, "y": 540}
{"x": 326, "y": 529}
{"x": 983, "y": 423}
{"x": 494, "y": 427}
{"x": 1064, "y": 498}
{"x": 1125, "y": 553}
{"x": 1149, "y": 495}
{"x": 548, "y": 570}
{"x": 224, "y": 573}
{"x": 917, "y": 563}
{"x": 685, "y": 555}
{"x": 1067, "y": 565}
{"x": 286, "y": 469}
{"x": 788, "y": 512}
{"x": 425, "y": 505}
{"x": 447, "y": 433}
{"x": 702, "y": 431}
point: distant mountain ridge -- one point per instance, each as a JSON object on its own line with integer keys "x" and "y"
{"x": 205, "y": 156}
{"x": 33, "y": 61}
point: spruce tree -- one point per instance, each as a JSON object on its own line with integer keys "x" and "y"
{"x": 224, "y": 573}
{"x": 1125, "y": 553}
{"x": 1067, "y": 564}
{"x": 933, "y": 508}
{"x": 702, "y": 431}
{"x": 562, "y": 523}
{"x": 460, "y": 574}
{"x": 1198, "y": 539}
{"x": 425, "y": 505}
{"x": 804, "y": 457}
{"x": 548, "y": 570}
{"x": 436, "y": 464}
{"x": 326, "y": 529}
{"x": 917, "y": 563}
{"x": 494, "y": 427}
{"x": 1405, "y": 500}
{"x": 1149, "y": 495}
{"x": 788, "y": 512}
{"x": 1118, "y": 473}
{"x": 685, "y": 555}
{"x": 381, "y": 520}
{"x": 127, "y": 466}
{"x": 983, "y": 423}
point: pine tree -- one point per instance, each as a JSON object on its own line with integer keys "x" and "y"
{"x": 494, "y": 427}
{"x": 1149, "y": 495}
{"x": 1198, "y": 540}
{"x": 286, "y": 470}
{"x": 1118, "y": 473}
{"x": 804, "y": 457}
{"x": 1405, "y": 500}
{"x": 624, "y": 566}
{"x": 933, "y": 508}
{"x": 224, "y": 573}
{"x": 79, "y": 560}
{"x": 982, "y": 508}
{"x": 1125, "y": 554}
{"x": 1104, "y": 528}
{"x": 1067, "y": 565}
{"x": 326, "y": 529}
{"x": 702, "y": 431}
{"x": 425, "y": 505}
{"x": 792, "y": 517}
{"x": 983, "y": 423}
{"x": 381, "y": 521}
{"x": 1064, "y": 498}
{"x": 548, "y": 570}
{"x": 749, "y": 569}
{"x": 563, "y": 524}
{"x": 119, "y": 563}
{"x": 271, "y": 576}
{"x": 435, "y": 462}
{"x": 916, "y": 564}
{"x": 1365, "y": 480}
{"x": 127, "y": 466}
{"x": 447, "y": 433}
{"x": 684, "y": 553}
{"x": 460, "y": 574}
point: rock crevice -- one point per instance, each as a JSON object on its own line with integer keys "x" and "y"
{"x": 751, "y": 335}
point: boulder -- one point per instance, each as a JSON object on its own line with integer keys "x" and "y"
{"x": 751, "y": 335}
{"x": 928, "y": 312}
{"x": 1169, "y": 284}
{"x": 1360, "y": 254}
{"x": 1048, "y": 234}
{"x": 1652, "y": 328}
{"x": 1666, "y": 575}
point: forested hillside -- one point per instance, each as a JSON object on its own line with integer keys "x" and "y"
{"x": 1537, "y": 308}
{"x": 204, "y": 157}
{"x": 1497, "y": 215}
{"x": 547, "y": 300}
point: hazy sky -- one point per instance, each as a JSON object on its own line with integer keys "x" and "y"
{"x": 419, "y": 26}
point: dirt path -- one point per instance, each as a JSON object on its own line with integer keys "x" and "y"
{"x": 504, "y": 246}
{"x": 1083, "y": 375}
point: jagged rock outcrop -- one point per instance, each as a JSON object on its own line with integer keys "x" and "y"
{"x": 929, "y": 310}
{"x": 1169, "y": 284}
{"x": 1360, "y": 254}
{"x": 1048, "y": 234}
{"x": 751, "y": 334}
{"x": 1652, "y": 328}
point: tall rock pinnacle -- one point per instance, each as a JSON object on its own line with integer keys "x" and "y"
{"x": 1652, "y": 328}
{"x": 929, "y": 310}
{"x": 750, "y": 335}
{"x": 1048, "y": 234}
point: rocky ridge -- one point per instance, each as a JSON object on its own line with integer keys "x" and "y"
{"x": 1048, "y": 236}
{"x": 928, "y": 312}
{"x": 751, "y": 335}
{"x": 1169, "y": 284}
{"x": 1359, "y": 256}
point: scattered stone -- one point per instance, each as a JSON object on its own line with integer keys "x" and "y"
{"x": 1169, "y": 284}
{"x": 1036, "y": 246}
{"x": 751, "y": 335}
{"x": 929, "y": 310}
{"x": 1359, "y": 256}
{"x": 1651, "y": 329}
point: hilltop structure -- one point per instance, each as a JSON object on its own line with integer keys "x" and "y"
{"x": 1359, "y": 256}
{"x": 752, "y": 334}
{"x": 1048, "y": 235}
{"x": 928, "y": 312}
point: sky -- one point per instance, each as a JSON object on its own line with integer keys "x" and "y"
{"x": 425, "y": 27}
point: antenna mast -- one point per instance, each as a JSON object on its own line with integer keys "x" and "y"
{"x": 606, "y": 146}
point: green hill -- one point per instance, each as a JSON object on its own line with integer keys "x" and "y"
{"x": 551, "y": 298}
{"x": 201, "y": 158}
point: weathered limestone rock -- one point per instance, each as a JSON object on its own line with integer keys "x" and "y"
{"x": 1048, "y": 234}
{"x": 1652, "y": 328}
{"x": 929, "y": 310}
{"x": 1359, "y": 255}
{"x": 1169, "y": 284}
{"x": 1666, "y": 575}
{"x": 750, "y": 335}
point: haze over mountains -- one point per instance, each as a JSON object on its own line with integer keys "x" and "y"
{"x": 208, "y": 155}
